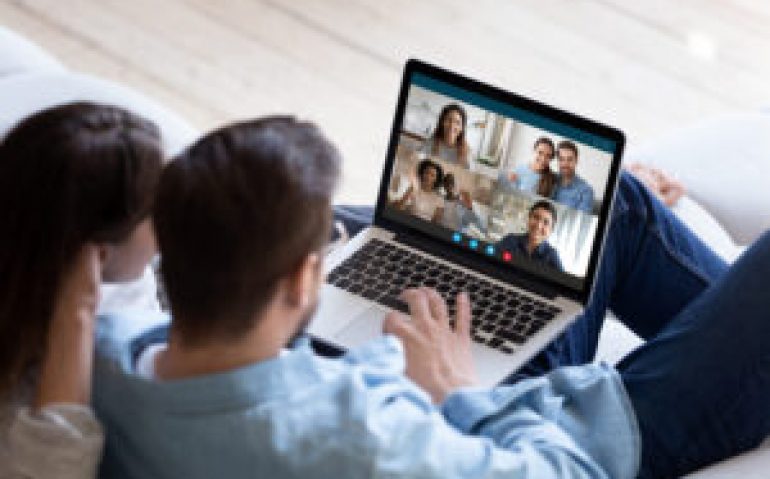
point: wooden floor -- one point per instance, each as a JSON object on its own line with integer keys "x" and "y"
{"x": 647, "y": 67}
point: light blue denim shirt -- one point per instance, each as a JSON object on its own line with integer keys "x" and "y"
{"x": 526, "y": 180}
{"x": 303, "y": 416}
{"x": 578, "y": 194}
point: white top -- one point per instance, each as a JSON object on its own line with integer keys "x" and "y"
{"x": 62, "y": 441}
{"x": 426, "y": 203}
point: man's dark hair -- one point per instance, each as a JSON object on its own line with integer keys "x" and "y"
{"x": 544, "y": 205}
{"x": 235, "y": 213}
{"x": 424, "y": 165}
{"x": 567, "y": 145}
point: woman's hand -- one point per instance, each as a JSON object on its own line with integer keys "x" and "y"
{"x": 438, "y": 357}
{"x": 78, "y": 295}
{"x": 65, "y": 376}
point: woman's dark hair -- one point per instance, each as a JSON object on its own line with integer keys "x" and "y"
{"x": 68, "y": 175}
{"x": 438, "y": 133}
{"x": 424, "y": 165}
{"x": 544, "y": 205}
{"x": 547, "y": 178}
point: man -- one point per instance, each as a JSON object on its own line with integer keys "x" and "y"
{"x": 533, "y": 244}
{"x": 241, "y": 218}
{"x": 571, "y": 189}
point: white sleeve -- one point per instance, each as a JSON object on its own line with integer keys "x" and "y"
{"x": 61, "y": 441}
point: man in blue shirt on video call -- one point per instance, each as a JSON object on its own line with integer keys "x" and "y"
{"x": 571, "y": 189}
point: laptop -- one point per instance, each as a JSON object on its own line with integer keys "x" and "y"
{"x": 463, "y": 206}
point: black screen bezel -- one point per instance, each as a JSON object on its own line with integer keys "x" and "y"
{"x": 506, "y": 272}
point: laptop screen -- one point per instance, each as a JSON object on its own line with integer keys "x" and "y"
{"x": 515, "y": 185}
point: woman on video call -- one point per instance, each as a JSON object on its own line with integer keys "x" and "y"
{"x": 536, "y": 177}
{"x": 448, "y": 142}
{"x": 422, "y": 197}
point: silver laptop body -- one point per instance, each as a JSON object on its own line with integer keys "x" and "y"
{"x": 364, "y": 277}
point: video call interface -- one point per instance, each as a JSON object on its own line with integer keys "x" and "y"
{"x": 497, "y": 180}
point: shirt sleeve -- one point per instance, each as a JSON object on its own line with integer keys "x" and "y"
{"x": 543, "y": 420}
{"x": 586, "y": 199}
{"x": 62, "y": 441}
{"x": 514, "y": 432}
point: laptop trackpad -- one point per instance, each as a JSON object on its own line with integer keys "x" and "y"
{"x": 366, "y": 326}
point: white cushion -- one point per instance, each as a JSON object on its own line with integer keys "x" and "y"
{"x": 19, "y": 55}
{"x": 724, "y": 164}
{"x": 24, "y": 94}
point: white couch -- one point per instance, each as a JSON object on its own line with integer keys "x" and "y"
{"x": 722, "y": 162}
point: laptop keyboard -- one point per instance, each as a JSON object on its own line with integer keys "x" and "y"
{"x": 501, "y": 318}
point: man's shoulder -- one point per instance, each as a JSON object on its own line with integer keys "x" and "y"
{"x": 120, "y": 336}
{"x": 583, "y": 184}
{"x": 510, "y": 239}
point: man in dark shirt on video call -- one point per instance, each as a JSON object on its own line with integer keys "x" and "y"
{"x": 533, "y": 244}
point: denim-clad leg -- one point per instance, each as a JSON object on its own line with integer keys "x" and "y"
{"x": 652, "y": 266}
{"x": 701, "y": 387}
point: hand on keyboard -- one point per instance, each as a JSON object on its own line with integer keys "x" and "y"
{"x": 438, "y": 356}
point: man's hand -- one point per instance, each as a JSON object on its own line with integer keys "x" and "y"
{"x": 438, "y": 358}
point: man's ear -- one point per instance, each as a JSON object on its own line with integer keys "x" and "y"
{"x": 304, "y": 283}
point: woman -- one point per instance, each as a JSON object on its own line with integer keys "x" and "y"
{"x": 448, "y": 141}
{"x": 76, "y": 184}
{"x": 422, "y": 197}
{"x": 536, "y": 177}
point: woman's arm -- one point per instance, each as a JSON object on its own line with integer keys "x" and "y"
{"x": 66, "y": 370}
{"x": 405, "y": 200}
{"x": 59, "y": 436}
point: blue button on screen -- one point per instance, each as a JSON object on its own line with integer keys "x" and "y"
{"x": 473, "y": 244}
{"x": 457, "y": 237}
{"x": 490, "y": 250}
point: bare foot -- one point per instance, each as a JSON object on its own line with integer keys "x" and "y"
{"x": 666, "y": 188}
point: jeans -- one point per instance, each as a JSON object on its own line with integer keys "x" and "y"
{"x": 700, "y": 384}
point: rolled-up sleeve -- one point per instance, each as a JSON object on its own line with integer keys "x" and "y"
{"x": 577, "y": 421}
{"x": 60, "y": 441}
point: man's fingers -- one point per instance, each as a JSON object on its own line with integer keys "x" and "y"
{"x": 419, "y": 308}
{"x": 397, "y": 324}
{"x": 463, "y": 318}
{"x": 437, "y": 306}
